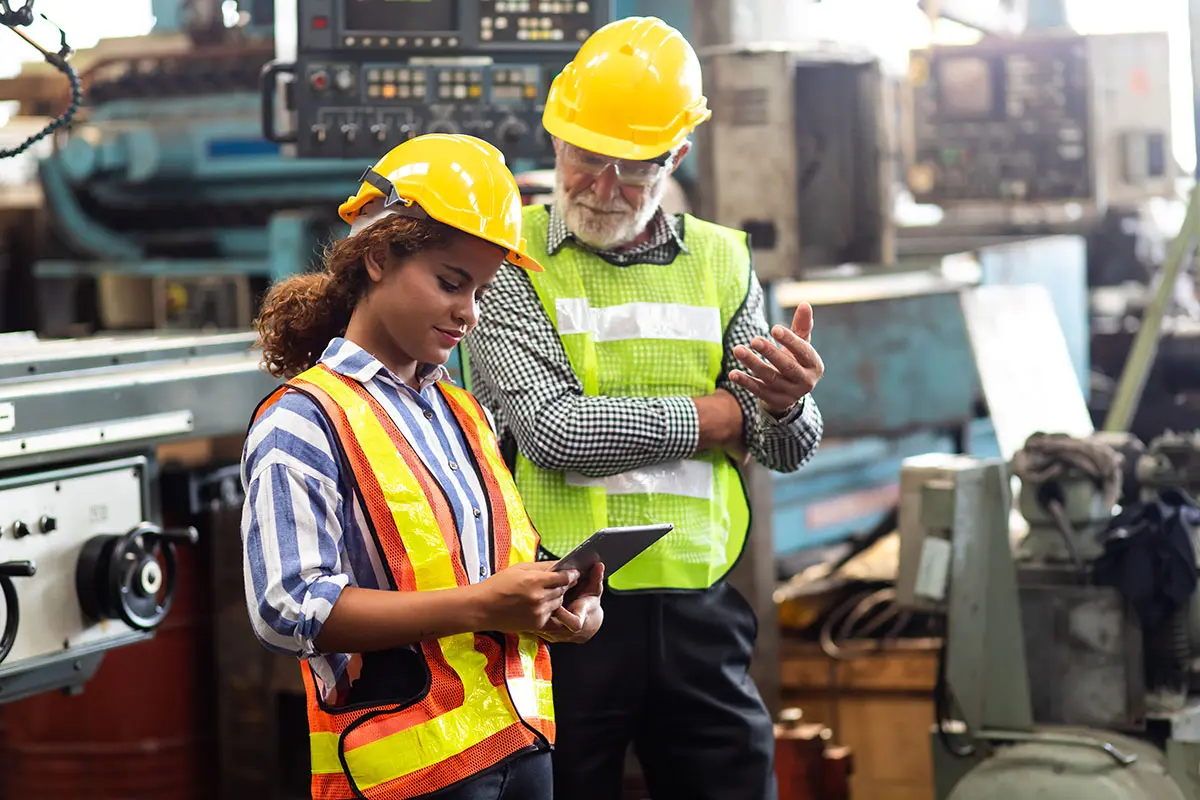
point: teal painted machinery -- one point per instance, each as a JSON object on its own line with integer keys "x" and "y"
{"x": 178, "y": 164}
{"x": 166, "y": 172}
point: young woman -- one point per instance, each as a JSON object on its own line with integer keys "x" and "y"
{"x": 385, "y": 543}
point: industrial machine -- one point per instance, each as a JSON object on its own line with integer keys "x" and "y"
{"x": 823, "y": 198}
{"x": 370, "y": 74}
{"x": 901, "y": 375}
{"x": 186, "y": 170}
{"x": 1069, "y": 665}
{"x": 85, "y": 565}
{"x": 1056, "y": 133}
{"x": 163, "y": 185}
{"x": 1041, "y": 130}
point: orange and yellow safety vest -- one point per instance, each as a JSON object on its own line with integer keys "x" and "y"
{"x": 489, "y": 694}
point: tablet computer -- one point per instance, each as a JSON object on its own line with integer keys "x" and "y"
{"x": 614, "y": 547}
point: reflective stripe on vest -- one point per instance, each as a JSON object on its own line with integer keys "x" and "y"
{"x": 623, "y": 341}
{"x": 486, "y": 700}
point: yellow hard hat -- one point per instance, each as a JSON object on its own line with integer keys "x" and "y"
{"x": 633, "y": 90}
{"x": 458, "y": 180}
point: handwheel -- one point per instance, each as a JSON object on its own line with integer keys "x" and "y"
{"x": 12, "y": 608}
{"x": 119, "y": 576}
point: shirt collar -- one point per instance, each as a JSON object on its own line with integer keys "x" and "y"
{"x": 347, "y": 358}
{"x": 662, "y": 227}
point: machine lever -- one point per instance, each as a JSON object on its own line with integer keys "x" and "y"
{"x": 18, "y": 569}
{"x": 268, "y": 87}
{"x": 12, "y": 607}
{"x": 188, "y": 535}
{"x": 1121, "y": 757}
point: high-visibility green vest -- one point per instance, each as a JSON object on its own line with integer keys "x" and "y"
{"x": 645, "y": 330}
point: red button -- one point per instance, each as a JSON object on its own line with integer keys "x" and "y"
{"x": 320, "y": 23}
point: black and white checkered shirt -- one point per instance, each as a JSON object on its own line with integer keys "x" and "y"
{"x": 520, "y": 371}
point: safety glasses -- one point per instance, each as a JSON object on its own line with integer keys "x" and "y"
{"x": 628, "y": 171}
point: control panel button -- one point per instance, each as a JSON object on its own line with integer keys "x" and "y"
{"x": 319, "y": 80}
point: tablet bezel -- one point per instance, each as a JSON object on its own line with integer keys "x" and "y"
{"x": 613, "y": 546}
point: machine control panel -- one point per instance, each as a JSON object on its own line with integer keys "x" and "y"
{"x": 371, "y": 74}
{"x": 81, "y": 572}
{"x": 449, "y": 26}
{"x": 1003, "y": 124}
{"x": 1047, "y": 119}
{"x": 362, "y": 109}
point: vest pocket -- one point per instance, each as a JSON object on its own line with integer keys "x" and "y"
{"x": 393, "y": 677}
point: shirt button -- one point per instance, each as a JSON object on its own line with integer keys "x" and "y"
{"x": 477, "y": 513}
{"x": 483, "y": 572}
{"x": 428, "y": 414}
{"x": 453, "y": 466}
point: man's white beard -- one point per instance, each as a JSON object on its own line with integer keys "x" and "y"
{"x": 606, "y": 225}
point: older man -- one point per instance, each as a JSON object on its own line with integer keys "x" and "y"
{"x": 632, "y": 376}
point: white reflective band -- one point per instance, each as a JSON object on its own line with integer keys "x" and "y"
{"x": 685, "y": 478}
{"x": 639, "y": 321}
{"x": 524, "y": 697}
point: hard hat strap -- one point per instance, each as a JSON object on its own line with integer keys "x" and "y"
{"x": 392, "y": 198}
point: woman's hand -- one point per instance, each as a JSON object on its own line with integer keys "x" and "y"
{"x": 578, "y": 619}
{"x": 523, "y": 596}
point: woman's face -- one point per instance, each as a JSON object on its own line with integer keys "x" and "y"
{"x": 426, "y": 303}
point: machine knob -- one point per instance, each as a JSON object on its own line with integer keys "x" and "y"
{"x": 47, "y": 524}
{"x": 20, "y": 530}
{"x": 511, "y": 131}
{"x": 319, "y": 133}
{"x": 350, "y": 132}
{"x": 120, "y": 577}
{"x": 379, "y": 131}
{"x": 12, "y": 607}
{"x": 319, "y": 80}
{"x": 344, "y": 80}
{"x": 443, "y": 126}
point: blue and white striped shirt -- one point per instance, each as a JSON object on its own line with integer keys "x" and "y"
{"x": 305, "y": 536}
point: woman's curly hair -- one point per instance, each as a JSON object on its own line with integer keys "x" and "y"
{"x": 302, "y": 313}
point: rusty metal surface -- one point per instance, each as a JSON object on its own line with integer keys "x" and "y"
{"x": 894, "y": 365}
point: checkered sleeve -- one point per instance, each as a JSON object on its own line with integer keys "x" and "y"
{"x": 785, "y": 444}
{"x": 520, "y": 371}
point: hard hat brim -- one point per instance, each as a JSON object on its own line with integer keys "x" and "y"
{"x": 514, "y": 257}
{"x": 518, "y": 259}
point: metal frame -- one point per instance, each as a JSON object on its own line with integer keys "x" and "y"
{"x": 92, "y": 399}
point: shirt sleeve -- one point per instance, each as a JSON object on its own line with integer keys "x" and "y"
{"x": 517, "y": 357}
{"x": 784, "y": 444}
{"x": 291, "y": 526}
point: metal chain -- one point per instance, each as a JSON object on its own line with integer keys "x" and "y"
{"x": 24, "y": 16}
